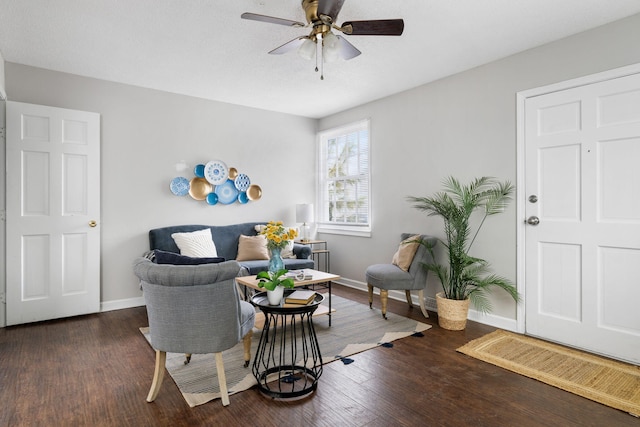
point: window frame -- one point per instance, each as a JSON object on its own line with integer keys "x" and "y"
{"x": 344, "y": 228}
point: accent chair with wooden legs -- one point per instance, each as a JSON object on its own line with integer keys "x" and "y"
{"x": 405, "y": 272}
{"x": 194, "y": 309}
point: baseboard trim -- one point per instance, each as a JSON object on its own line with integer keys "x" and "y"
{"x": 121, "y": 304}
{"x": 476, "y": 316}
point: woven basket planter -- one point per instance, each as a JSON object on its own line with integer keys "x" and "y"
{"x": 452, "y": 314}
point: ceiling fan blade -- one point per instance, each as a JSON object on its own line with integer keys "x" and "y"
{"x": 347, "y": 50}
{"x": 330, "y": 8}
{"x": 271, "y": 20}
{"x": 381, "y": 27}
{"x": 288, "y": 46}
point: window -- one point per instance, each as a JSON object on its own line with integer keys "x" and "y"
{"x": 344, "y": 192}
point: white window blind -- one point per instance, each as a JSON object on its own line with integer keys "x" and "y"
{"x": 344, "y": 180}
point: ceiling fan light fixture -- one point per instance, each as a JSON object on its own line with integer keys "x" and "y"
{"x": 308, "y": 49}
{"x": 321, "y": 43}
{"x": 330, "y": 47}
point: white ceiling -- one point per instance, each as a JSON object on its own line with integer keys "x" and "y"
{"x": 202, "y": 48}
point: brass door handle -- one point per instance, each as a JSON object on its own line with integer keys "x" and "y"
{"x": 92, "y": 223}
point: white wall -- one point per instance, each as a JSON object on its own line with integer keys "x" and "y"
{"x": 465, "y": 126}
{"x": 145, "y": 133}
{"x": 3, "y": 93}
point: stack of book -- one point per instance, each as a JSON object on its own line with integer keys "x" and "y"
{"x": 301, "y": 296}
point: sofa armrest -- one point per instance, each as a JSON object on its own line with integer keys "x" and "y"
{"x": 301, "y": 251}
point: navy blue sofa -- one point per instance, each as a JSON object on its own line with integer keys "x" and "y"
{"x": 226, "y": 239}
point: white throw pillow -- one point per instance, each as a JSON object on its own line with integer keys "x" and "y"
{"x": 198, "y": 244}
{"x": 287, "y": 251}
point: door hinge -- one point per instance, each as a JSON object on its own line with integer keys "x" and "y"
{"x": 3, "y": 299}
{"x": 1, "y": 133}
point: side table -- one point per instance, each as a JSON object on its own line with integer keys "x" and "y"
{"x": 318, "y": 248}
{"x": 287, "y": 363}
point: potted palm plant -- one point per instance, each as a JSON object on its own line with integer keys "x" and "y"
{"x": 464, "y": 278}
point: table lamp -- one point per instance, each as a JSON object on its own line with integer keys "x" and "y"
{"x": 304, "y": 214}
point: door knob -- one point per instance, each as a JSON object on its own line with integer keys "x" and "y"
{"x": 92, "y": 223}
{"x": 533, "y": 220}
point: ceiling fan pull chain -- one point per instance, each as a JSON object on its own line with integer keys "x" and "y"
{"x": 321, "y": 51}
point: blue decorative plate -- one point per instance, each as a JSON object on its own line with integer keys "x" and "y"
{"x": 179, "y": 186}
{"x": 216, "y": 172}
{"x": 243, "y": 198}
{"x": 227, "y": 192}
{"x": 242, "y": 182}
{"x": 198, "y": 171}
{"x": 212, "y": 198}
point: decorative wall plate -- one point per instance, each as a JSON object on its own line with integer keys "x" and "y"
{"x": 200, "y": 187}
{"x": 233, "y": 172}
{"x": 227, "y": 192}
{"x": 242, "y": 182}
{"x": 216, "y": 184}
{"x": 243, "y": 198}
{"x": 179, "y": 186}
{"x": 212, "y": 198}
{"x": 254, "y": 192}
{"x": 216, "y": 172}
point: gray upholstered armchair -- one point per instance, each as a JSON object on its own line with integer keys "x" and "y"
{"x": 391, "y": 277}
{"x": 194, "y": 309}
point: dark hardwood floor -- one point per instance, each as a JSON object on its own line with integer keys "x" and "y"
{"x": 96, "y": 371}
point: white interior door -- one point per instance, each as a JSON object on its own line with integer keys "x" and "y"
{"x": 53, "y": 213}
{"x": 582, "y": 183}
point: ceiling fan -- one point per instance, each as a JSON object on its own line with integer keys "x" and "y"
{"x": 322, "y": 16}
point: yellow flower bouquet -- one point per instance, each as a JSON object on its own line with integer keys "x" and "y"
{"x": 278, "y": 235}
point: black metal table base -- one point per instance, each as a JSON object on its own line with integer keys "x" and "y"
{"x": 288, "y": 364}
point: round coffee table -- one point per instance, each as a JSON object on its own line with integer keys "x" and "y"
{"x": 287, "y": 363}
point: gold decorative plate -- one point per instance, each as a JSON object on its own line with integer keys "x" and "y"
{"x": 254, "y": 192}
{"x": 233, "y": 172}
{"x": 199, "y": 188}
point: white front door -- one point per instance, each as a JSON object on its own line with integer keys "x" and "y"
{"x": 582, "y": 207}
{"x": 53, "y": 213}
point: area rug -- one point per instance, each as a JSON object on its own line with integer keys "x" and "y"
{"x": 606, "y": 381}
{"x": 355, "y": 328}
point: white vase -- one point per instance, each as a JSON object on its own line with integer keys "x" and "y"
{"x": 275, "y": 296}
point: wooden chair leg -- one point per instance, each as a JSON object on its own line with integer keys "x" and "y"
{"x": 423, "y": 306}
{"x": 246, "y": 341}
{"x": 222, "y": 380}
{"x": 384, "y": 295}
{"x": 370, "y": 295}
{"x": 407, "y": 293}
{"x": 158, "y": 375}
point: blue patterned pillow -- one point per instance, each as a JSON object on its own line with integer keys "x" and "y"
{"x": 164, "y": 257}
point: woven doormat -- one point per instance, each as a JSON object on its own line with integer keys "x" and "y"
{"x": 605, "y": 381}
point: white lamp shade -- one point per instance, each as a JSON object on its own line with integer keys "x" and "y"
{"x": 304, "y": 212}
{"x": 307, "y": 49}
